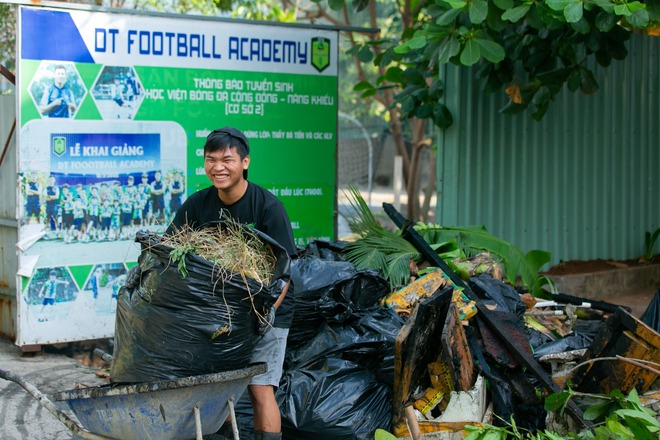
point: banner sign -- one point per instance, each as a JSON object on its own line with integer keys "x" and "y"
{"x": 113, "y": 113}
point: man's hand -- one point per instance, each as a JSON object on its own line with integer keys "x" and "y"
{"x": 266, "y": 321}
{"x": 133, "y": 277}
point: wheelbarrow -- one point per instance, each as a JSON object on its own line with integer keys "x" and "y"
{"x": 179, "y": 409}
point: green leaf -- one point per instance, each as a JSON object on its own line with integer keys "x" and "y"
{"x": 368, "y": 93}
{"x": 573, "y": 12}
{"x": 436, "y": 91}
{"x": 478, "y": 11}
{"x": 605, "y": 5}
{"x": 503, "y": 4}
{"x": 531, "y": 264}
{"x": 381, "y": 434}
{"x": 642, "y": 416}
{"x": 491, "y": 50}
{"x": 470, "y": 54}
{"x": 639, "y": 18}
{"x": 448, "y": 17}
{"x": 589, "y": 84}
{"x": 559, "y": 5}
{"x": 582, "y": 26}
{"x": 636, "y": 6}
{"x": 605, "y": 21}
{"x": 417, "y": 42}
{"x": 362, "y": 85}
{"x": 365, "y": 54}
{"x": 442, "y": 117}
{"x": 639, "y": 430}
{"x": 515, "y": 14}
{"x": 557, "y": 401}
{"x": 618, "y": 429}
{"x": 424, "y": 111}
{"x": 456, "y": 4}
{"x": 413, "y": 76}
{"x": 353, "y": 50}
{"x": 394, "y": 74}
{"x": 622, "y": 10}
{"x": 336, "y": 5}
{"x": 448, "y": 49}
{"x": 594, "y": 412}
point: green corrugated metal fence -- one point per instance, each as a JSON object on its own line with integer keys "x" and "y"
{"x": 583, "y": 183}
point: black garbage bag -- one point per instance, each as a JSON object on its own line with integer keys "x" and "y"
{"x": 325, "y": 250}
{"x": 505, "y": 296}
{"x": 311, "y": 277}
{"x": 170, "y": 326}
{"x": 362, "y": 360}
{"x": 651, "y": 315}
{"x": 353, "y": 296}
{"x": 333, "y": 399}
{"x": 367, "y": 341}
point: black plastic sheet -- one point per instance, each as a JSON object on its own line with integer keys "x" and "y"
{"x": 571, "y": 342}
{"x": 505, "y": 296}
{"x": 170, "y": 327}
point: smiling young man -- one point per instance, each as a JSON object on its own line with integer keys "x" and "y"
{"x": 226, "y": 162}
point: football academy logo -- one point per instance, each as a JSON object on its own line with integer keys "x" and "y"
{"x": 59, "y": 145}
{"x": 320, "y": 53}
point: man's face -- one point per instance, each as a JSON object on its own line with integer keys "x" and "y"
{"x": 60, "y": 77}
{"x": 224, "y": 168}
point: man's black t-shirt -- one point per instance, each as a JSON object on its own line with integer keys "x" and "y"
{"x": 257, "y": 208}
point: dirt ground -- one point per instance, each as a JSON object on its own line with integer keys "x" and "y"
{"x": 588, "y": 266}
{"x": 638, "y": 301}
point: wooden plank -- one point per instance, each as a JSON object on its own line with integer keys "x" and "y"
{"x": 626, "y": 336}
{"x": 418, "y": 344}
{"x": 456, "y": 352}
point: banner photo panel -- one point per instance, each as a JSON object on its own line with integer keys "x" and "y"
{"x": 114, "y": 110}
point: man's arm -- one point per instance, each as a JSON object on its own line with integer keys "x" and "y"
{"x": 52, "y": 106}
{"x": 282, "y": 296}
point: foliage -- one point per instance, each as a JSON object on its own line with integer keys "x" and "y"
{"x": 649, "y": 243}
{"x": 387, "y": 251}
{"x": 510, "y": 431}
{"x": 531, "y": 49}
{"x": 378, "y": 248}
{"x": 7, "y": 36}
{"x": 615, "y": 417}
{"x": 203, "y": 7}
{"x": 477, "y": 238}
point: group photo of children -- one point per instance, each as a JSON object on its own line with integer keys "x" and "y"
{"x": 73, "y": 210}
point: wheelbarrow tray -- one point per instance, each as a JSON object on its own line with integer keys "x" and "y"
{"x": 160, "y": 410}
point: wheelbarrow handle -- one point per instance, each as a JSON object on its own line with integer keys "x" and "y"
{"x": 44, "y": 401}
{"x": 103, "y": 355}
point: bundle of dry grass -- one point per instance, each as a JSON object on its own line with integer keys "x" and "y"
{"x": 232, "y": 248}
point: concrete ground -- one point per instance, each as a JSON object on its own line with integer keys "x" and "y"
{"x": 21, "y": 415}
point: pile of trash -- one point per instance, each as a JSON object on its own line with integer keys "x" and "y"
{"x": 443, "y": 356}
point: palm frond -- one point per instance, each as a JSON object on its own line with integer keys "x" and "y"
{"x": 377, "y": 248}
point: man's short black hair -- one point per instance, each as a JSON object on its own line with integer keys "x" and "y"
{"x": 228, "y": 137}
